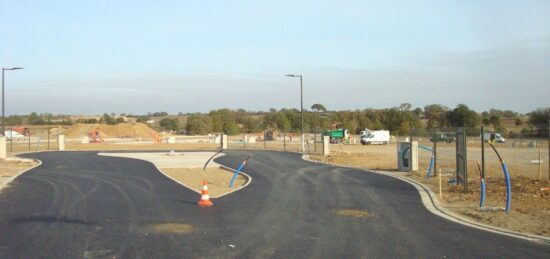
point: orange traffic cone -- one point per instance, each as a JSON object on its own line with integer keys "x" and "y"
{"x": 205, "y": 198}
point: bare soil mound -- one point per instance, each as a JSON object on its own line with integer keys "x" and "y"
{"x": 123, "y": 130}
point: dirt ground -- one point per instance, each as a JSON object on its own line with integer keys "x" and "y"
{"x": 530, "y": 207}
{"x": 9, "y": 168}
{"x": 218, "y": 179}
{"x": 122, "y": 130}
{"x": 187, "y": 168}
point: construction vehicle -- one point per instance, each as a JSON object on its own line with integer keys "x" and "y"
{"x": 94, "y": 136}
{"x": 337, "y": 135}
{"x": 268, "y": 135}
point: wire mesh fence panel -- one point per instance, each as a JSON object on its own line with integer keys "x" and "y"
{"x": 439, "y": 143}
{"x": 34, "y": 139}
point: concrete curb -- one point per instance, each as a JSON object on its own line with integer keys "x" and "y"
{"x": 248, "y": 177}
{"x": 429, "y": 199}
{"x": 7, "y": 181}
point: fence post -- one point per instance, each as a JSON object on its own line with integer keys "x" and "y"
{"x": 265, "y": 142}
{"x": 482, "y": 153}
{"x": 440, "y": 189}
{"x": 30, "y": 140}
{"x": 11, "y": 139}
{"x": 540, "y": 166}
{"x": 435, "y": 155}
{"x": 548, "y": 150}
{"x": 410, "y": 150}
{"x": 284, "y": 140}
{"x": 48, "y": 129}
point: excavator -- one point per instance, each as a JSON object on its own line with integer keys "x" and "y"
{"x": 94, "y": 136}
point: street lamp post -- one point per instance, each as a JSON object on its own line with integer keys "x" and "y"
{"x": 301, "y": 109}
{"x": 3, "y": 100}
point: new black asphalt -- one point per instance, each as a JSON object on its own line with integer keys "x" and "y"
{"x": 80, "y": 205}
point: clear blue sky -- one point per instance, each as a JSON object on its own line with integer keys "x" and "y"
{"x": 194, "y": 56}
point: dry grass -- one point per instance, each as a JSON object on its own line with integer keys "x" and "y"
{"x": 9, "y": 168}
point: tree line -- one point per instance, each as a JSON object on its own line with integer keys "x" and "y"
{"x": 399, "y": 120}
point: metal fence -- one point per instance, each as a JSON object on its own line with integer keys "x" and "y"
{"x": 35, "y": 139}
{"x": 275, "y": 139}
{"x": 524, "y": 157}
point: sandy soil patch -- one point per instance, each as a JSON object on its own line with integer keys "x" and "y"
{"x": 218, "y": 179}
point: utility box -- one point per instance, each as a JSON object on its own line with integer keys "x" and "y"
{"x": 404, "y": 156}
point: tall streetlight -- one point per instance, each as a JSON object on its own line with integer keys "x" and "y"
{"x": 3, "y": 100}
{"x": 301, "y": 108}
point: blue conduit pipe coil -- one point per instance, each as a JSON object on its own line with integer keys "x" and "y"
{"x": 508, "y": 186}
{"x": 431, "y": 166}
{"x": 506, "y": 178}
{"x": 238, "y": 170}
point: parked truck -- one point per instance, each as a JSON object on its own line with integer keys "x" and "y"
{"x": 337, "y": 135}
{"x": 496, "y": 137}
{"x": 381, "y": 137}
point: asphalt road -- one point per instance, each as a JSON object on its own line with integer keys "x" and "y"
{"x": 79, "y": 205}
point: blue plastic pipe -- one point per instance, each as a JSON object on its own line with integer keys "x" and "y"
{"x": 482, "y": 200}
{"x": 425, "y": 148}
{"x": 508, "y": 187}
{"x": 430, "y": 167}
{"x": 237, "y": 171}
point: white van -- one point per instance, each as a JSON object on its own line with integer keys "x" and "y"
{"x": 12, "y": 134}
{"x": 495, "y": 136}
{"x": 381, "y": 137}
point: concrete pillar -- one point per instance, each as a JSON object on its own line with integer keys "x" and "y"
{"x": 326, "y": 145}
{"x": 3, "y": 151}
{"x": 171, "y": 140}
{"x": 224, "y": 141}
{"x": 61, "y": 142}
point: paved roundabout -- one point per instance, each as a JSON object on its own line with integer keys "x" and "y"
{"x": 80, "y": 205}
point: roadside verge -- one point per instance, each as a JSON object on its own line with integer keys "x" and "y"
{"x": 431, "y": 203}
{"x": 4, "y": 182}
